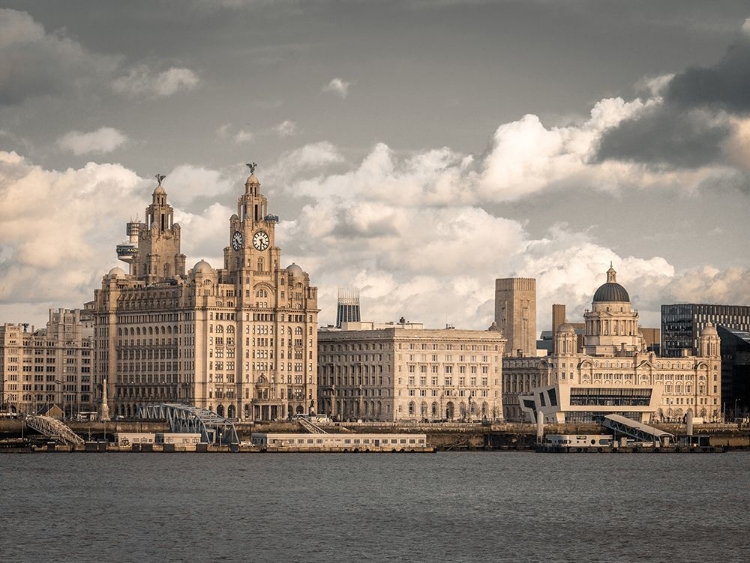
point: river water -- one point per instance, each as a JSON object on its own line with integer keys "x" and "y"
{"x": 467, "y": 506}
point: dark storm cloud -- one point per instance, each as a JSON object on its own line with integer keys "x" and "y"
{"x": 666, "y": 135}
{"x": 35, "y": 63}
{"x": 724, "y": 86}
{"x": 688, "y": 128}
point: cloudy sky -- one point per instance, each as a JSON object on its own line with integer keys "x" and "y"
{"x": 417, "y": 149}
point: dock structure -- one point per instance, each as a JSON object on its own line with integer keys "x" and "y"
{"x": 310, "y": 426}
{"x": 317, "y": 442}
{"x": 214, "y": 429}
{"x": 637, "y": 430}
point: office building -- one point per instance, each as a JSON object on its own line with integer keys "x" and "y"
{"x": 681, "y": 324}
{"x": 404, "y": 372}
{"x": 50, "y": 366}
{"x": 239, "y": 340}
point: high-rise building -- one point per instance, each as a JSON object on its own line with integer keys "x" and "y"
{"x": 240, "y": 340}
{"x": 682, "y": 323}
{"x": 515, "y": 314}
{"x": 404, "y": 372}
{"x": 735, "y": 372}
{"x": 49, "y": 366}
{"x": 347, "y": 308}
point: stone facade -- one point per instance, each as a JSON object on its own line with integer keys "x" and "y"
{"x": 613, "y": 372}
{"x": 515, "y": 314}
{"x": 403, "y": 372}
{"x": 53, "y": 365}
{"x": 239, "y": 340}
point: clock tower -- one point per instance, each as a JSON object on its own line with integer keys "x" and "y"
{"x": 252, "y": 246}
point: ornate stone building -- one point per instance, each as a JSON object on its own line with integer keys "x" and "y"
{"x": 240, "y": 340}
{"x": 403, "y": 372}
{"x": 613, "y": 372}
{"x": 49, "y": 366}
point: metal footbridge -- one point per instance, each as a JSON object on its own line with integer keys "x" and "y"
{"x": 54, "y": 429}
{"x": 214, "y": 429}
{"x": 637, "y": 430}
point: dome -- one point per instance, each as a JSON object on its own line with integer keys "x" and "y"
{"x": 494, "y": 327}
{"x": 611, "y": 291}
{"x": 160, "y": 190}
{"x": 566, "y": 327}
{"x": 203, "y": 267}
{"x": 295, "y": 270}
{"x": 252, "y": 179}
{"x": 709, "y": 330}
{"x": 116, "y": 272}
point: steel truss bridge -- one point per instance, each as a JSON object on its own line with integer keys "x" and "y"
{"x": 53, "y": 429}
{"x": 214, "y": 429}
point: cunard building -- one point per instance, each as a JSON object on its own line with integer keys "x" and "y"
{"x": 240, "y": 340}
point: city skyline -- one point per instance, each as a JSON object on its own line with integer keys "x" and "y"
{"x": 415, "y": 151}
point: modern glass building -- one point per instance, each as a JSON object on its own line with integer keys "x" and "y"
{"x": 682, "y": 323}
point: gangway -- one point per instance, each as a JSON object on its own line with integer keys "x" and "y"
{"x": 214, "y": 429}
{"x": 637, "y": 430}
{"x": 54, "y": 429}
{"x": 310, "y": 426}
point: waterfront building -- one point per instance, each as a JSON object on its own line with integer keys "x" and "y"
{"x": 404, "y": 372}
{"x": 50, "y": 366}
{"x": 681, "y": 324}
{"x": 613, "y": 373}
{"x": 347, "y": 308}
{"x": 735, "y": 372}
{"x": 239, "y": 340}
{"x": 515, "y": 314}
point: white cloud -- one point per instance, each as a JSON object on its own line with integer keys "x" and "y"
{"x": 223, "y": 130}
{"x": 243, "y": 136}
{"x": 103, "y": 140}
{"x": 142, "y": 80}
{"x": 185, "y": 183}
{"x": 410, "y": 255}
{"x": 338, "y": 86}
{"x": 286, "y": 129}
{"x": 57, "y": 229}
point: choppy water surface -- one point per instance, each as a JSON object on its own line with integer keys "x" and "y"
{"x": 375, "y": 507}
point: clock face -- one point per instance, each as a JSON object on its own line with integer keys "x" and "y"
{"x": 237, "y": 240}
{"x": 261, "y": 240}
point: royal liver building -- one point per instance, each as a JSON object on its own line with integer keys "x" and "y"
{"x": 239, "y": 340}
